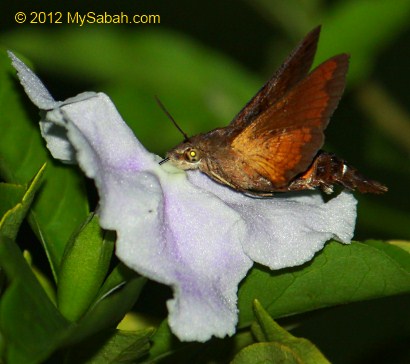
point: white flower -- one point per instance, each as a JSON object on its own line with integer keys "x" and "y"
{"x": 181, "y": 228}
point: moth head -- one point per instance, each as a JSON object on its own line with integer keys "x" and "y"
{"x": 185, "y": 156}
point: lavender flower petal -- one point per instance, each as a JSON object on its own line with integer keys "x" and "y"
{"x": 178, "y": 228}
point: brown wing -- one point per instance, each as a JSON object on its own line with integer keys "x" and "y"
{"x": 293, "y": 70}
{"x": 283, "y": 140}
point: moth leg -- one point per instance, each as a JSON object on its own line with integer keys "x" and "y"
{"x": 258, "y": 194}
{"x": 221, "y": 180}
{"x": 250, "y": 193}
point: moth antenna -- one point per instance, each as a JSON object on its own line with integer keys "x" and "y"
{"x": 161, "y": 105}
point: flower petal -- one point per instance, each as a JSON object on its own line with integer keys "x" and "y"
{"x": 287, "y": 230}
{"x": 195, "y": 249}
{"x": 54, "y": 134}
{"x": 168, "y": 229}
{"x": 183, "y": 229}
{"x": 34, "y": 88}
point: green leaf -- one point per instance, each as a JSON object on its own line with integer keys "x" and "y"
{"x": 168, "y": 349}
{"x": 12, "y": 212}
{"x": 339, "y": 274}
{"x": 110, "y": 308}
{"x": 118, "y": 277}
{"x": 19, "y": 200}
{"x": 405, "y": 245}
{"x": 10, "y": 196}
{"x": 44, "y": 281}
{"x": 83, "y": 269}
{"x": 61, "y": 205}
{"x": 294, "y": 16}
{"x": 31, "y": 325}
{"x": 349, "y": 24}
{"x": 266, "y": 353}
{"x": 117, "y": 347}
{"x": 164, "y": 343}
{"x": 278, "y": 344}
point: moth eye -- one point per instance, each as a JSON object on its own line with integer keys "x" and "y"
{"x": 192, "y": 155}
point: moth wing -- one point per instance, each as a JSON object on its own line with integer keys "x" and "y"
{"x": 293, "y": 70}
{"x": 282, "y": 142}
